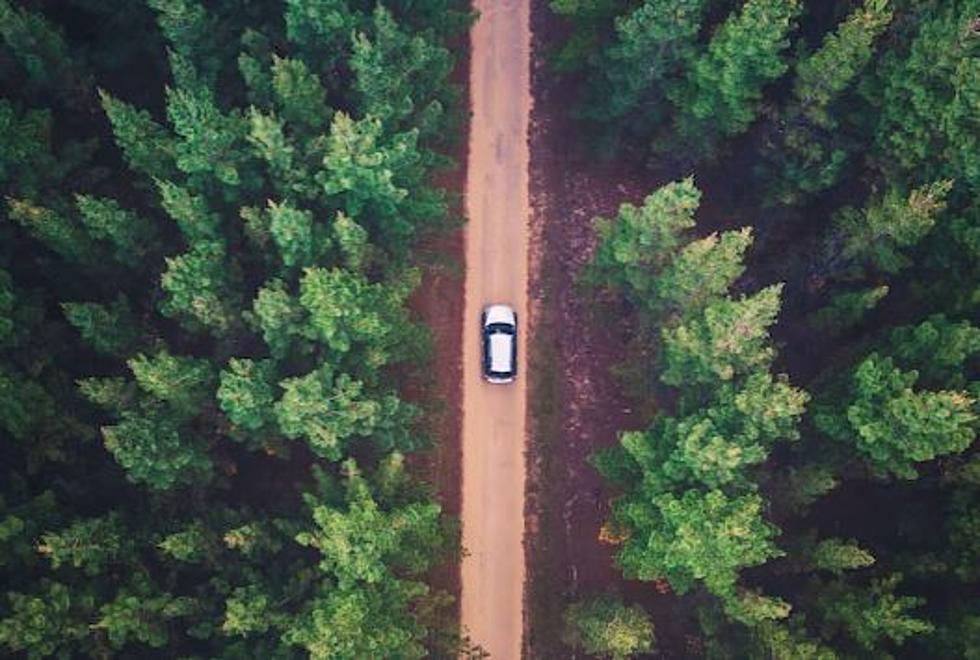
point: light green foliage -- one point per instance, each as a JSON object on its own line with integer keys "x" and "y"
{"x": 939, "y": 349}
{"x": 292, "y": 231}
{"x": 847, "y": 310}
{"x": 752, "y": 608}
{"x": 278, "y": 316}
{"x": 724, "y": 85}
{"x": 140, "y": 614}
{"x": 115, "y": 394}
{"x": 44, "y": 623}
{"x": 55, "y": 230}
{"x": 111, "y": 329}
{"x": 246, "y": 393}
{"x": 147, "y": 146}
{"x": 90, "y": 545}
{"x": 716, "y": 444}
{"x": 878, "y": 233}
{"x": 346, "y": 311}
{"x": 372, "y": 173}
{"x": 398, "y": 76}
{"x": 730, "y": 338}
{"x": 352, "y": 239}
{"x": 191, "y": 544}
{"x": 893, "y": 426}
{"x": 197, "y": 290}
{"x": 697, "y": 536}
{"x": 605, "y": 628}
{"x": 253, "y": 67}
{"x": 191, "y": 213}
{"x": 248, "y": 610}
{"x": 329, "y": 411}
{"x": 703, "y": 271}
{"x": 928, "y": 126}
{"x": 367, "y": 543}
{"x": 299, "y": 96}
{"x": 872, "y": 615}
{"x": 633, "y": 247}
{"x": 364, "y": 621}
{"x": 132, "y": 237}
{"x": 185, "y": 383}
{"x": 268, "y": 139}
{"x": 155, "y": 452}
{"x": 837, "y": 556}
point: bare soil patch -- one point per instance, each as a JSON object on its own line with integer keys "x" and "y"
{"x": 576, "y": 405}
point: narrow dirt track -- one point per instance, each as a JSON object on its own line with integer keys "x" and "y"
{"x": 496, "y": 271}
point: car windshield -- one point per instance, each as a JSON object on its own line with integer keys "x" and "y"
{"x": 500, "y": 327}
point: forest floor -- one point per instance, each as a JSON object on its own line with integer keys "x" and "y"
{"x": 576, "y": 404}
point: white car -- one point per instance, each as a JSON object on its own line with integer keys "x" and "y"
{"x": 499, "y": 332}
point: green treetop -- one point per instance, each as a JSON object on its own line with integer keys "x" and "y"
{"x": 730, "y": 338}
{"x": 198, "y": 291}
{"x": 399, "y": 76}
{"x": 132, "y": 237}
{"x": 247, "y": 394}
{"x": 111, "y": 329}
{"x": 872, "y": 615}
{"x": 893, "y": 426}
{"x": 724, "y": 85}
{"x": 703, "y": 271}
{"x": 605, "y": 628}
{"x": 697, "y": 536}
{"x": 635, "y": 245}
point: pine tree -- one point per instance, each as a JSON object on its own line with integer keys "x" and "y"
{"x": 893, "y": 426}
{"x": 605, "y": 628}
{"x": 807, "y": 154}
{"x": 633, "y": 247}
{"x": 720, "y": 97}
{"x": 730, "y": 338}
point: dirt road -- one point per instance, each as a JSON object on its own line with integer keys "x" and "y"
{"x": 496, "y": 271}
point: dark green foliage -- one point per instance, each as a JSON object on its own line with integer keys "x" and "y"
{"x": 723, "y": 87}
{"x": 895, "y": 426}
{"x": 230, "y": 275}
{"x": 807, "y": 153}
{"x": 112, "y": 329}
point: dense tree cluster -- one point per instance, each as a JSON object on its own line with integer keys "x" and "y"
{"x": 207, "y": 227}
{"x": 861, "y": 120}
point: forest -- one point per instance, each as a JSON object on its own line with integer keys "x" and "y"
{"x": 805, "y": 480}
{"x": 207, "y": 241}
{"x": 211, "y": 227}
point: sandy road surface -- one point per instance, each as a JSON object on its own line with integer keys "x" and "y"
{"x": 496, "y": 271}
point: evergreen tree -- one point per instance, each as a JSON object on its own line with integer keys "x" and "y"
{"x": 606, "y": 628}
{"x": 720, "y": 96}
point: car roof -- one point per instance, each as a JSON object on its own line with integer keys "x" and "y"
{"x": 501, "y": 352}
{"x": 499, "y": 314}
